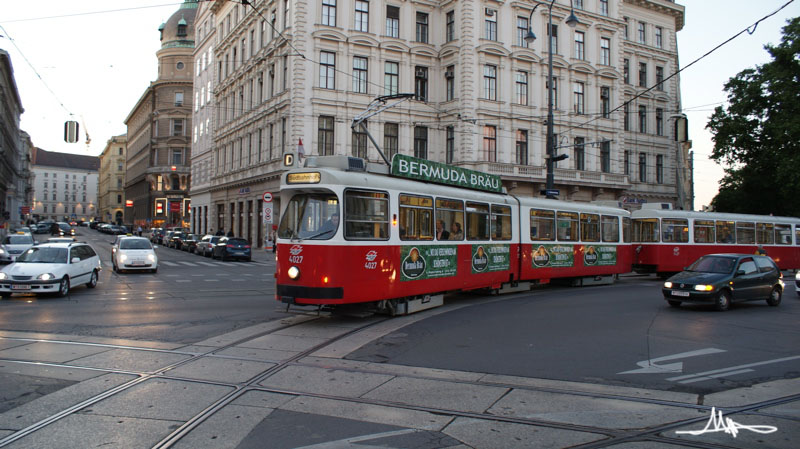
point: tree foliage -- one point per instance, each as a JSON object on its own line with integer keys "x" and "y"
{"x": 757, "y": 137}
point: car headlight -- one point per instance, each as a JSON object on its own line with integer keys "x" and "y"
{"x": 45, "y": 276}
{"x": 294, "y": 273}
{"x": 703, "y": 288}
{"x": 123, "y": 257}
{"x": 1, "y": 251}
{"x": 668, "y": 284}
{"x": 151, "y": 257}
{"x": 796, "y": 276}
{"x": 3, "y": 276}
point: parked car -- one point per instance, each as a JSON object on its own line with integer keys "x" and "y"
{"x": 133, "y": 253}
{"x": 232, "y": 248}
{"x": 51, "y": 268}
{"x": 15, "y": 244}
{"x": 95, "y": 224}
{"x": 189, "y": 242}
{"x": 41, "y": 228}
{"x": 206, "y": 245}
{"x": 175, "y": 240}
{"x": 61, "y": 229}
{"x": 722, "y": 279}
{"x": 156, "y": 234}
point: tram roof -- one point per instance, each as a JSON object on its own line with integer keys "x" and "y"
{"x": 697, "y": 215}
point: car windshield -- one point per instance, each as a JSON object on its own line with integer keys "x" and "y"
{"x": 134, "y": 244}
{"x": 63, "y": 226}
{"x": 18, "y": 240}
{"x": 713, "y": 264}
{"x": 43, "y": 255}
{"x": 310, "y": 216}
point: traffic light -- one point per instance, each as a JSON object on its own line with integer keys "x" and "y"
{"x": 71, "y": 131}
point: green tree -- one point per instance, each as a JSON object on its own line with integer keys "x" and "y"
{"x": 757, "y": 137}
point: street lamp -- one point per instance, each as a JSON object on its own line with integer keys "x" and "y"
{"x": 551, "y": 158}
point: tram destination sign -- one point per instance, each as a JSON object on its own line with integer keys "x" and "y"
{"x": 425, "y": 170}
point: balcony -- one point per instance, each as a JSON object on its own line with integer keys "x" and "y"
{"x": 166, "y": 169}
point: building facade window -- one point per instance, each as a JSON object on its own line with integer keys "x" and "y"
{"x": 522, "y": 31}
{"x": 660, "y": 169}
{"x": 555, "y": 91}
{"x": 392, "y": 21}
{"x": 177, "y": 156}
{"x": 362, "y": 16}
{"x": 642, "y": 35}
{"x": 642, "y": 167}
{"x": 421, "y": 83}
{"x": 605, "y": 156}
{"x": 659, "y": 78}
{"x": 579, "y": 99}
{"x": 603, "y": 7}
{"x": 391, "y": 138}
{"x": 178, "y": 98}
{"x": 579, "y": 41}
{"x": 626, "y": 163}
{"x": 642, "y": 74}
{"x": 642, "y": 119}
{"x": 626, "y": 70}
{"x": 450, "y": 83}
{"x": 325, "y": 136}
{"x": 578, "y": 4}
{"x": 626, "y": 117}
{"x": 359, "y": 74}
{"x": 522, "y": 147}
{"x": 422, "y": 27}
{"x": 580, "y": 153}
{"x": 659, "y": 122}
{"x": 605, "y": 51}
{"x": 177, "y": 126}
{"x": 450, "y": 26}
{"x": 450, "y": 144}
{"x": 625, "y": 34}
{"x": 391, "y": 78}
{"x": 659, "y": 37}
{"x": 605, "y": 102}
{"x": 553, "y": 34}
{"x": 490, "y": 143}
{"x": 490, "y": 27}
{"x": 328, "y": 16}
{"x": 327, "y": 70}
{"x": 521, "y": 90}
{"x": 359, "y": 142}
{"x": 421, "y": 142}
{"x": 490, "y": 82}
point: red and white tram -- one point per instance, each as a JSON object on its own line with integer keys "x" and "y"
{"x": 665, "y": 241}
{"x": 351, "y": 233}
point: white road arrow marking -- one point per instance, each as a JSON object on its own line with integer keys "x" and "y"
{"x": 650, "y": 366}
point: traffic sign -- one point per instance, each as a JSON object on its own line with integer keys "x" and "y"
{"x": 268, "y": 213}
{"x": 550, "y": 192}
{"x": 267, "y": 197}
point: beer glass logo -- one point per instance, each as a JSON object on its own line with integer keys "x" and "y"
{"x": 541, "y": 258}
{"x": 480, "y": 261}
{"x": 590, "y": 256}
{"x": 413, "y": 265}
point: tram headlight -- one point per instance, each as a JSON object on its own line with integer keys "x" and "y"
{"x": 294, "y": 273}
{"x": 668, "y": 284}
{"x": 703, "y": 287}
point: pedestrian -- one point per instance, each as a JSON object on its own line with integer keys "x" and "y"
{"x": 274, "y": 241}
{"x": 220, "y": 233}
{"x": 139, "y": 230}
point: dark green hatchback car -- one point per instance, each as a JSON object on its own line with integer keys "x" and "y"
{"x": 721, "y": 279}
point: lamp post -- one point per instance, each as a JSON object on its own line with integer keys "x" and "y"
{"x": 550, "y": 158}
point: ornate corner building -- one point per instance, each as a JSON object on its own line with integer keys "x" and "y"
{"x": 111, "y": 183}
{"x": 275, "y": 72}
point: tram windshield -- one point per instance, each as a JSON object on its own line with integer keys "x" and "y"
{"x": 311, "y": 216}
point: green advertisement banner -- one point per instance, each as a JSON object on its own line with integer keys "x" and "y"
{"x": 599, "y": 255}
{"x": 486, "y": 258}
{"x": 551, "y": 256}
{"x": 425, "y": 170}
{"x": 428, "y": 262}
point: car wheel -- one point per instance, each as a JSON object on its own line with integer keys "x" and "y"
{"x": 674, "y": 303}
{"x": 774, "y": 296}
{"x": 92, "y": 280}
{"x": 5, "y": 294}
{"x": 63, "y": 287}
{"x": 723, "y": 300}
{"x": 154, "y": 270}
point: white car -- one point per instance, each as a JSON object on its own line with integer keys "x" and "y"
{"x": 15, "y": 244}
{"x": 51, "y": 268}
{"x": 133, "y": 253}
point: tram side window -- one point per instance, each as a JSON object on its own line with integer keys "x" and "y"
{"x": 797, "y": 234}
{"x": 542, "y": 224}
{"x": 310, "y": 216}
{"x": 626, "y": 229}
{"x": 783, "y": 234}
{"x": 675, "y": 230}
{"x": 610, "y": 228}
{"x": 451, "y": 213}
{"x": 416, "y": 217}
{"x": 765, "y": 233}
{"x": 567, "y": 226}
{"x": 501, "y": 222}
{"x": 477, "y": 221}
{"x": 704, "y": 231}
{"x": 366, "y": 215}
{"x": 726, "y": 232}
{"x": 645, "y": 230}
{"x": 590, "y": 227}
{"x": 745, "y": 232}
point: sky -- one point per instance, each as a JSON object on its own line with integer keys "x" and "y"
{"x": 91, "y": 60}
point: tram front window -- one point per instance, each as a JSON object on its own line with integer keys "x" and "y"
{"x": 311, "y": 216}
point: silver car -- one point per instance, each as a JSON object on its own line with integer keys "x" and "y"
{"x": 13, "y": 245}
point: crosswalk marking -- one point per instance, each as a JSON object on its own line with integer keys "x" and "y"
{"x": 207, "y": 264}
{"x": 169, "y": 264}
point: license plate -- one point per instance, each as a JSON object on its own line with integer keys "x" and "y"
{"x": 20, "y": 287}
{"x": 137, "y": 263}
{"x": 677, "y": 293}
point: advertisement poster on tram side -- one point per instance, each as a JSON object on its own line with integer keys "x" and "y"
{"x": 599, "y": 255}
{"x": 487, "y": 258}
{"x": 552, "y": 256}
{"x": 428, "y": 262}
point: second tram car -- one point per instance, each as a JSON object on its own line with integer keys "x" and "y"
{"x": 665, "y": 241}
{"x": 351, "y": 233}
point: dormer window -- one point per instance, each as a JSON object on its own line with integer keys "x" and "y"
{"x": 182, "y": 27}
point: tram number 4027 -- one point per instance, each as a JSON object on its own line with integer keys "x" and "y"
{"x": 370, "y": 265}
{"x": 295, "y": 259}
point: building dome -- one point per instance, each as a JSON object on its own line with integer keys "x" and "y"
{"x": 178, "y": 31}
